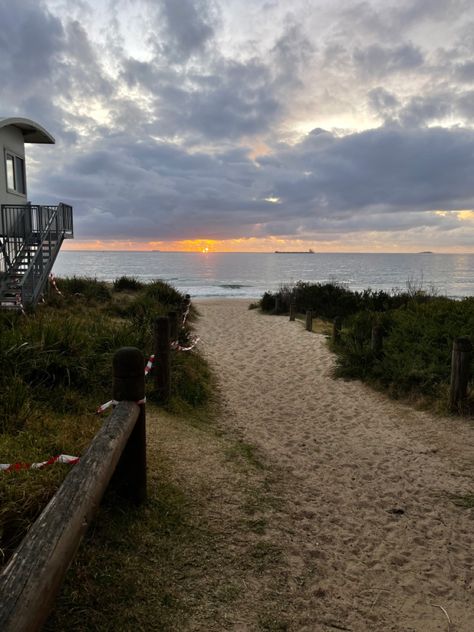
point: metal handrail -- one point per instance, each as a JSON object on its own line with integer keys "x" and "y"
{"x": 27, "y": 233}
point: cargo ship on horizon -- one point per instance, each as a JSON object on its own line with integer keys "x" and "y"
{"x": 295, "y": 252}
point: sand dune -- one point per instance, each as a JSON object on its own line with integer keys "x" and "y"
{"x": 367, "y": 514}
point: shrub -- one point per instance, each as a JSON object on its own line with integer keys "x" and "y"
{"x": 127, "y": 284}
{"x": 56, "y": 367}
{"x": 89, "y": 288}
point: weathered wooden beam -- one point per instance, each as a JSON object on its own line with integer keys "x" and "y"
{"x": 309, "y": 320}
{"x": 130, "y": 476}
{"x": 292, "y": 311}
{"x": 32, "y": 578}
{"x": 460, "y": 372}
{"x": 174, "y": 325}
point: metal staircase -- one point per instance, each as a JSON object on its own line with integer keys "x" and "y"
{"x": 30, "y": 239}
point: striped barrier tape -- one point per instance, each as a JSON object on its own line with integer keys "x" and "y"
{"x": 61, "y": 458}
{"x": 149, "y": 364}
{"x": 52, "y": 280}
{"x": 178, "y": 347}
{"x": 114, "y": 402}
{"x": 185, "y": 315}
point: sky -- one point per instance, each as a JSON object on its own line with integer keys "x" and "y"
{"x": 249, "y": 125}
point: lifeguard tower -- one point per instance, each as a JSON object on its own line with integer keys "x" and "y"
{"x": 30, "y": 235}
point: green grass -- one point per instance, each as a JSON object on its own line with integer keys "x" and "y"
{"x": 418, "y": 333}
{"x": 133, "y": 554}
{"x": 56, "y": 368}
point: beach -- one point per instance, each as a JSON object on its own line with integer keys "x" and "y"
{"x": 363, "y": 489}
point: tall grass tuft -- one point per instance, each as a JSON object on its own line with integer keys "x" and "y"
{"x": 418, "y": 333}
{"x": 55, "y": 371}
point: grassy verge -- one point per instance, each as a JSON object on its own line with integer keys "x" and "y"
{"x": 55, "y": 371}
{"x": 190, "y": 557}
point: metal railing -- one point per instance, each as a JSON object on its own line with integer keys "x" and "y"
{"x": 30, "y": 239}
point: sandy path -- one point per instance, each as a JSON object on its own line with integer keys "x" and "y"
{"x": 370, "y": 535}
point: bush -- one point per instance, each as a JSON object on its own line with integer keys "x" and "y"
{"x": 127, "y": 284}
{"x": 56, "y": 368}
{"x": 417, "y": 346}
{"x": 91, "y": 289}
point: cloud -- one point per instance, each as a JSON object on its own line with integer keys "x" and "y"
{"x": 190, "y": 130}
{"x": 379, "y": 61}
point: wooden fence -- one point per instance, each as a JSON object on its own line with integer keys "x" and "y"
{"x": 33, "y": 576}
{"x": 461, "y": 357}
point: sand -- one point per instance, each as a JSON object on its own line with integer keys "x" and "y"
{"x": 370, "y": 535}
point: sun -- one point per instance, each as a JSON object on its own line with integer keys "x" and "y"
{"x": 205, "y": 250}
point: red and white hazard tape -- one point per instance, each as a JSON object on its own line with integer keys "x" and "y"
{"x": 114, "y": 402}
{"x": 52, "y": 280}
{"x": 178, "y": 347}
{"x": 61, "y": 458}
{"x": 149, "y": 364}
{"x": 185, "y": 315}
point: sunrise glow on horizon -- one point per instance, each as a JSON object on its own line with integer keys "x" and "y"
{"x": 250, "y": 127}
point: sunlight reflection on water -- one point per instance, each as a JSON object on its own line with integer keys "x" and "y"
{"x": 248, "y": 275}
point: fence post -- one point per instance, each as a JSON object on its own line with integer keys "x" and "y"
{"x": 185, "y": 305}
{"x": 309, "y": 320}
{"x": 376, "y": 340}
{"x": 336, "y": 329}
{"x": 162, "y": 359}
{"x": 292, "y": 311}
{"x": 460, "y": 371}
{"x": 129, "y": 385}
{"x": 174, "y": 325}
{"x": 276, "y": 309}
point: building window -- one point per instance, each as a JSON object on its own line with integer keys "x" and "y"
{"x": 15, "y": 170}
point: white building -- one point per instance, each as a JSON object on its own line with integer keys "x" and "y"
{"x": 30, "y": 235}
{"x": 14, "y": 133}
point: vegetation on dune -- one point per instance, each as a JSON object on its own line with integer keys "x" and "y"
{"x": 57, "y": 368}
{"x": 418, "y": 332}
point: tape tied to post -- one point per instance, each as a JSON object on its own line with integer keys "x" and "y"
{"x": 114, "y": 402}
{"x": 60, "y": 458}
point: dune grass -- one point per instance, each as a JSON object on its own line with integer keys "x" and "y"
{"x": 418, "y": 333}
{"x": 56, "y": 368}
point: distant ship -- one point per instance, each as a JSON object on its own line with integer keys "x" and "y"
{"x": 295, "y": 252}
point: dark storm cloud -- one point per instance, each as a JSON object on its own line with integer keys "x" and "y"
{"x": 188, "y": 28}
{"x": 377, "y": 180}
{"x": 162, "y": 146}
{"x": 30, "y": 41}
{"x": 378, "y": 61}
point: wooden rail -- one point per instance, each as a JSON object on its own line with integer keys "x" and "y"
{"x": 461, "y": 358}
{"x": 32, "y": 578}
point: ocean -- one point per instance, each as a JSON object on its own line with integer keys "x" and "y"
{"x": 249, "y": 275}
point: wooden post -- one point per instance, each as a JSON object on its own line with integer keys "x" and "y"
{"x": 276, "y": 309}
{"x": 292, "y": 311}
{"x": 309, "y": 320}
{"x": 31, "y": 579}
{"x": 129, "y": 385}
{"x": 162, "y": 359}
{"x": 460, "y": 372}
{"x": 336, "y": 329}
{"x": 185, "y": 305}
{"x": 174, "y": 325}
{"x": 376, "y": 341}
